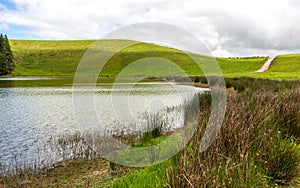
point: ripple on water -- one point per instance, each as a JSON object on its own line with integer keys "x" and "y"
{"x": 30, "y": 117}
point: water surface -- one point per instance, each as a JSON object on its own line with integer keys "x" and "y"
{"x": 31, "y": 116}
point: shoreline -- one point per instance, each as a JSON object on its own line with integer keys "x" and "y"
{"x": 99, "y": 172}
{"x": 199, "y": 84}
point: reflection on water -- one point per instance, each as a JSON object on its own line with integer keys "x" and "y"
{"x": 25, "y": 78}
{"x": 35, "y": 81}
{"x": 31, "y": 116}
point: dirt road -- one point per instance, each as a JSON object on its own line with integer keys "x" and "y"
{"x": 266, "y": 65}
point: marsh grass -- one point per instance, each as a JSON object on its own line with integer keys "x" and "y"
{"x": 156, "y": 175}
{"x": 154, "y": 128}
{"x": 251, "y": 148}
{"x": 255, "y": 147}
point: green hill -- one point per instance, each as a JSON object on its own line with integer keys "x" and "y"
{"x": 47, "y": 57}
{"x": 60, "y": 58}
{"x": 284, "y": 67}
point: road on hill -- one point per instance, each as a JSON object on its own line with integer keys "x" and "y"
{"x": 266, "y": 65}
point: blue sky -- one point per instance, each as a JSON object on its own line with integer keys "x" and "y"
{"x": 227, "y": 28}
{"x": 8, "y": 4}
{"x": 13, "y": 30}
{"x": 17, "y": 32}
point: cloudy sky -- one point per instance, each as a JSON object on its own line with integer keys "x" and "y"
{"x": 226, "y": 27}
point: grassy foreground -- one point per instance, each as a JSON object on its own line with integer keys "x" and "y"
{"x": 258, "y": 145}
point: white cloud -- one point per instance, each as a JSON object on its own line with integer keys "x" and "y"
{"x": 4, "y": 26}
{"x": 228, "y": 28}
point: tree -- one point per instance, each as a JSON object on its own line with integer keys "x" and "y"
{"x": 3, "y": 65}
{"x": 9, "y": 55}
{"x": 6, "y": 56}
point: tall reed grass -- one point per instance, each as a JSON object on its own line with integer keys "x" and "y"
{"x": 253, "y": 148}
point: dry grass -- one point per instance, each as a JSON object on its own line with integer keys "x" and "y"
{"x": 251, "y": 149}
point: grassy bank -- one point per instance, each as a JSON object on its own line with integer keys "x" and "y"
{"x": 60, "y": 58}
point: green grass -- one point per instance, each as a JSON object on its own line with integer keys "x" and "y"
{"x": 286, "y": 63}
{"x": 47, "y": 58}
{"x": 60, "y": 58}
{"x": 151, "y": 176}
{"x": 284, "y": 67}
{"x": 230, "y": 66}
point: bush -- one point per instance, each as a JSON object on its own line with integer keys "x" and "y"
{"x": 203, "y": 80}
{"x": 197, "y": 79}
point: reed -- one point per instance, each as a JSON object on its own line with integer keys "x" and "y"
{"x": 254, "y": 146}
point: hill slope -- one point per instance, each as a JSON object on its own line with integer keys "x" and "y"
{"x": 60, "y": 58}
{"x": 285, "y": 67}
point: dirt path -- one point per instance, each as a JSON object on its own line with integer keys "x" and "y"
{"x": 266, "y": 65}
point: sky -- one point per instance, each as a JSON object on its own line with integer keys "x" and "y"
{"x": 227, "y": 27}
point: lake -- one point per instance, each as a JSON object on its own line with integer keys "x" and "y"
{"x": 34, "y": 110}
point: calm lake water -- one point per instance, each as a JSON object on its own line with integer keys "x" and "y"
{"x": 34, "y": 110}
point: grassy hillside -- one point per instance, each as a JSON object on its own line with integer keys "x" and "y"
{"x": 285, "y": 67}
{"x": 46, "y": 58}
{"x": 240, "y": 66}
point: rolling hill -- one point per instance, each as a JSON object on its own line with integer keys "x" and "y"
{"x": 60, "y": 58}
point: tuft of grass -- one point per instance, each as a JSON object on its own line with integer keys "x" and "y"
{"x": 151, "y": 176}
